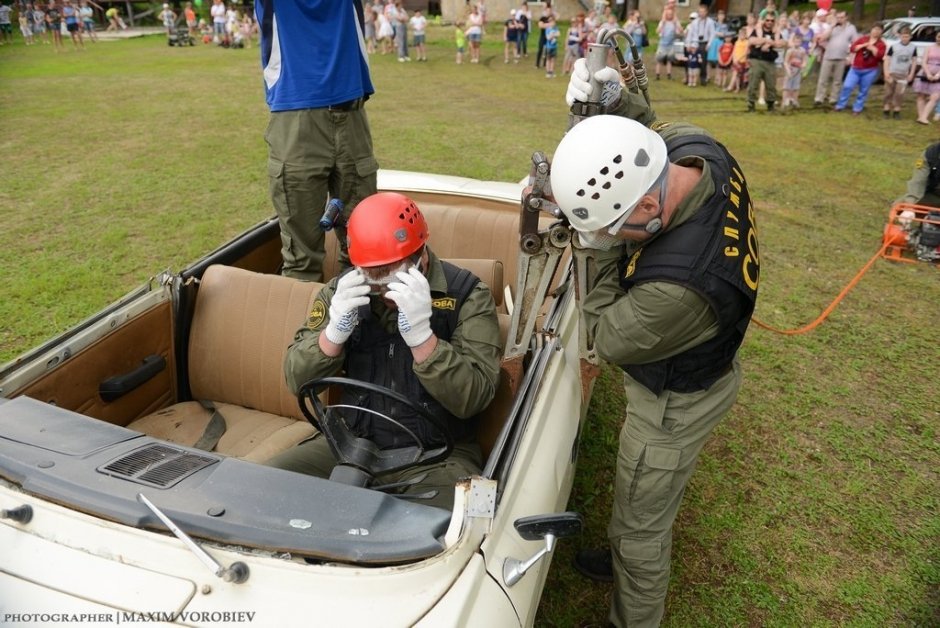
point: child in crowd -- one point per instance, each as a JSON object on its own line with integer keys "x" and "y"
{"x": 168, "y": 18}
{"x": 115, "y": 21}
{"x": 552, "y": 33}
{"x": 460, "y": 39}
{"x": 510, "y": 36}
{"x": 419, "y": 25}
{"x": 6, "y": 23}
{"x": 248, "y": 29}
{"x": 573, "y": 42}
{"x": 725, "y": 56}
{"x": 368, "y": 31}
{"x": 694, "y": 63}
{"x": 793, "y": 61}
{"x": 739, "y": 63}
{"x": 26, "y": 29}
{"x": 88, "y": 19}
{"x": 191, "y": 23}
{"x": 38, "y": 17}
{"x": 899, "y": 70}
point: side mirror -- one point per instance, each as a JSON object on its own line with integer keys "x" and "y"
{"x": 550, "y": 527}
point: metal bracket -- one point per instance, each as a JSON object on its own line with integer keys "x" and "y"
{"x": 482, "y": 498}
{"x": 539, "y": 256}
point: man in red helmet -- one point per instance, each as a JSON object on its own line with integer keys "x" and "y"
{"x": 403, "y": 319}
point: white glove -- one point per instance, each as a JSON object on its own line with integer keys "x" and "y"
{"x": 352, "y": 292}
{"x": 412, "y": 294}
{"x": 579, "y": 87}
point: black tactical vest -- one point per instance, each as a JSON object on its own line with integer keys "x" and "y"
{"x": 755, "y": 52}
{"x": 715, "y": 254}
{"x": 376, "y": 356}
{"x": 932, "y": 155}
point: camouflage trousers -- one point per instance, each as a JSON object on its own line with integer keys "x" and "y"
{"x": 315, "y": 154}
{"x": 660, "y": 443}
{"x": 314, "y": 457}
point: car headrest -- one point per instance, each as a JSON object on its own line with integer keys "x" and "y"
{"x": 489, "y": 271}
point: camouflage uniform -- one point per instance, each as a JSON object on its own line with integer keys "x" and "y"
{"x": 663, "y": 432}
{"x": 920, "y": 189}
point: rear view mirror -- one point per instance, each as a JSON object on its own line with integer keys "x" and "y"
{"x": 559, "y": 525}
{"x": 549, "y": 527}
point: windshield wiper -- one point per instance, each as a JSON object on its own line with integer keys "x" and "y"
{"x": 236, "y": 573}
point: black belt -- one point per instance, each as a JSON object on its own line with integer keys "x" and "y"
{"x": 349, "y": 105}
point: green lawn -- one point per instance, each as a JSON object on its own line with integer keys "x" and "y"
{"x": 816, "y": 501}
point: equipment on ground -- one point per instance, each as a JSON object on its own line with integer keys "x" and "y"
{"x": 180, "y": 37}
{"x": 912, "y": 234}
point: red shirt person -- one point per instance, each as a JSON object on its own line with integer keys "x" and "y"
{"x": 869, "y": 51}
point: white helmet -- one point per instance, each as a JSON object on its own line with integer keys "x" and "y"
{"x": 603, "y": 167}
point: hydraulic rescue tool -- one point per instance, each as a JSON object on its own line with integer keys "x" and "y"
{"x": 542, "y": 250}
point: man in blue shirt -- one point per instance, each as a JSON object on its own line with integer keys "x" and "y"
{"x": 316, "y": 81}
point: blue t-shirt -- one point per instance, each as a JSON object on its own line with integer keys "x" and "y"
{"x": 312, "y": 53}
{"x": 668, "y": 36}
{"x": 551, "y": 43}
{"x": 70, "y": 15}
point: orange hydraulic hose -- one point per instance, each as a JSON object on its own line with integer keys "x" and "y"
{"x": 832, "y": 306}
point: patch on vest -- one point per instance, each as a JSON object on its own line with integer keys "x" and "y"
{"x": 631, "y": 267}
{"x": 919, "y": 164}
{"x": 317, "y": 315}
{"x": 444, "y": 303}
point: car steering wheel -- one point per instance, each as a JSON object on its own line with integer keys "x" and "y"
{"x": 360, "y": 453}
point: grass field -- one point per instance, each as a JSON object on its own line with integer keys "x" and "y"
{"x": 815, "y": 503}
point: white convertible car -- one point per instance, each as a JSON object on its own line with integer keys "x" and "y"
{"x": 114, "y": 510}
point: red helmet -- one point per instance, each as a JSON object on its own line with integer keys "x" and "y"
{"x": 385, "y": 228}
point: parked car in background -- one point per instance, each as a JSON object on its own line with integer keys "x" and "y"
{"x": 923, "y": 31}
{"x": 678, "y": 47}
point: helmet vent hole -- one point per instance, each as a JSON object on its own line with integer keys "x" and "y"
{"x": 580, "y": 192}
{"x": 642, "y": 158}
{"x": 592, "y": 182}
{"x": 618, "y": 159}
{"x": 595, "y": 196}
{"x": 605, "y": 170}
{"x": 616, "y": 205}
{"x": 619, "y": 175}
{"x": 401, "y": 216}
{"x": 606, "y": 185}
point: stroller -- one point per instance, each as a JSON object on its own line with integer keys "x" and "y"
{"x": 180, "y": 37}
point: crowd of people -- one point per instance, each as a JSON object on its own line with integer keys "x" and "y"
{"x": 44, "y": 23}
{"x": 767, "y": 53}
{"x": 53, "y": 21}
{"x": 772, "y": 48}
{"x": 768, "y": 57}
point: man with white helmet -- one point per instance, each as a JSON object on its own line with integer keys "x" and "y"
{"x": 668, "y": 210}
{"x": 406, "y": 320}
